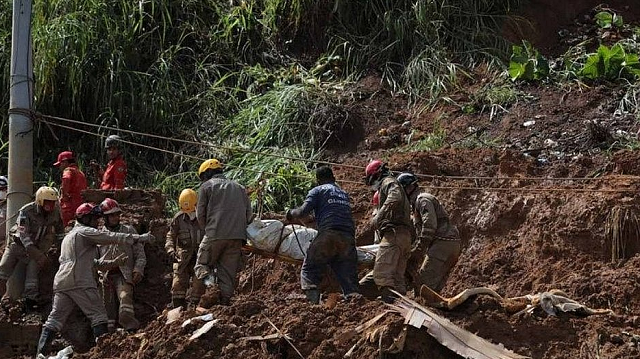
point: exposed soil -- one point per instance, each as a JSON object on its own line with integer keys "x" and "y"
{"x": 532, "y": 228}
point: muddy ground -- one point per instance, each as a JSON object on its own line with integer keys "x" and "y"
{"x": 537, "y": 223}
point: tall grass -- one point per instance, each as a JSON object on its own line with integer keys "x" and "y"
{"x": 260, "y": 74}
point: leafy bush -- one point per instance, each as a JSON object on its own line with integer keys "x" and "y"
{"x": 611, "y": 64}
{"x": 527, "y": 63}
{"x": 608, "y": 20}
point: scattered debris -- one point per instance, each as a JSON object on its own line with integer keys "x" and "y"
{"x": 173, "y": 315}
{"x": 204, "y": 318}
{"x": 203, "y": 330}
{"x": 461, "y": 341}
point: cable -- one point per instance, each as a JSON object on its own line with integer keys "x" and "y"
{"x": 227, "y": 148}
{"x": 422, "y": 175}
{"x": 358, "y": 182}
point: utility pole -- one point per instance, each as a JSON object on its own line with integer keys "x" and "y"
{"x": 20, "y": 170}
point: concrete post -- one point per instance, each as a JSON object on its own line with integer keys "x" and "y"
{"x": 20, "y": 171}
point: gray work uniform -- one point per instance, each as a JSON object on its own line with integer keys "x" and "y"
{"x": 117, "y": 284}
{"x": 183, "y": 239}
{"x": 393, "y": 222}
{"x": 34, "y": 228}
{"x": 224, "y": 211}
{"x": 75, "y": 283}
{"x": 438, "y": 246}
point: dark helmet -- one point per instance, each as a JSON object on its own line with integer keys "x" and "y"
{"x": 112, "y": 141}
{"x": 88, "y": 209}
{"x": 407, "y": 178}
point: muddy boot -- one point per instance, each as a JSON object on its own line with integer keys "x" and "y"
{"x": 128, "y": 321}
{"x": 313, "y": 295}
{"x": 100, "y": 330}
{"x": 45, "y": 340}
{"x": 386, "y": 295}
{"x": 179, "y": 302}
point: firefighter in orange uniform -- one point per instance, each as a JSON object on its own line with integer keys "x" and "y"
{"x": 113, "y": 177}
{"x": 73, "y": 183}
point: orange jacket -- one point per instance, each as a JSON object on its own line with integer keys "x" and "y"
{"x": 114, "y": 175}
{"x": 73, "y": 183}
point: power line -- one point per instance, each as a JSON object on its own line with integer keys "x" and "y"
{"x": 356, "y": 182}
{"x": 335, "y": 164}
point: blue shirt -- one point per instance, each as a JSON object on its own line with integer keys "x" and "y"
{"x": 331, "y": 207}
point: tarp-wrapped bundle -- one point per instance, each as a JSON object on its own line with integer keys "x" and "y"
{"x": 292, "y": 240}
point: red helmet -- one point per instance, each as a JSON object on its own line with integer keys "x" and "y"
{"x": 373, "y": 171}
{"x": 110, "y": 206}
{"x": 376, "y": 199}
{"x": 87, "y": 209}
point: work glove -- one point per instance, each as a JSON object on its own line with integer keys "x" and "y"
{"x": 172, "y": 254}
{"x": 145, "y": 238}
{"x": 108, "y": 264}
{"x": 39, "y": 257}
{"x": 289, "y": 216}
{"x": 136, "y": 277}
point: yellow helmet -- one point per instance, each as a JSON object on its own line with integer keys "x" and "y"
{"x": 210, "y": 164}
{"x": 45, "y": 193}
{"x": 187, "y": 200}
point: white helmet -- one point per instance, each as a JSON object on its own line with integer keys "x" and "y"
{"x": 45, "y": 193}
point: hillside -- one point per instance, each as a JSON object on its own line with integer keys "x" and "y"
{"x": 532, "y": 171}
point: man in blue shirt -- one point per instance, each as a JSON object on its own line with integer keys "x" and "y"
{"x": 335, "y": 244}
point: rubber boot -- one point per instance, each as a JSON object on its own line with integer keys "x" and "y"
{"x": 99, "y": 330}
{"x": 46, "y": 337}
{"x": 128, "y": 321}
{"x": 313, "y": 295}
{"x": 179, "y": 302}
{"x": 386, "y": 295}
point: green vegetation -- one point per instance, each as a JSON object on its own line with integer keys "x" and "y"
{"x": 608, "y": 20}
{"x": 258, "y": 75}
{"x": 611, "y": 64}
{"x": 527, "y": 63}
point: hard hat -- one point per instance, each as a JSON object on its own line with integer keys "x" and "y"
{"x": 210, "y": 164}
{"x": 45, "y": 193}
{"x": 376, "y": 199}
{"x": 110, "y": 206}
{"x": 64, "y": 156}
{"x": 407, "y": 178}
{"x": 112, "y": 141}
{"x": 373, "y": 171}
{"x": 187, "y": 200}
{"x": 4, "y": 182}
{"x": 87, "y": 209}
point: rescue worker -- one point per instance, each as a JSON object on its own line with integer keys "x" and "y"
{"x": 224, "y": 211}
{"x": 393, "y": 223}
{"x": 73, "y": 183}
{"x": 438, "y": 246}
{"x": 4, "y": 184}
{"x": 183, "y": 239}
{"x": 335, "y": 244}
{"x": 117, "y": 283}
{"x": 74, "y": 283}
{"x": 113, "y": 177}
{"x": 38, "y": 230}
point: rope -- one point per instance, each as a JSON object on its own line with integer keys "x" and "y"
{"x": 222, "y": 147}
{"x": 490, "y": 189}
{"x": 335, "y": 164}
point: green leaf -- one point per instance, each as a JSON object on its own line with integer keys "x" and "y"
{"x": 516, "y": 70}
{"x": 591, "y": 69}
{"x": 604, "y": 19}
